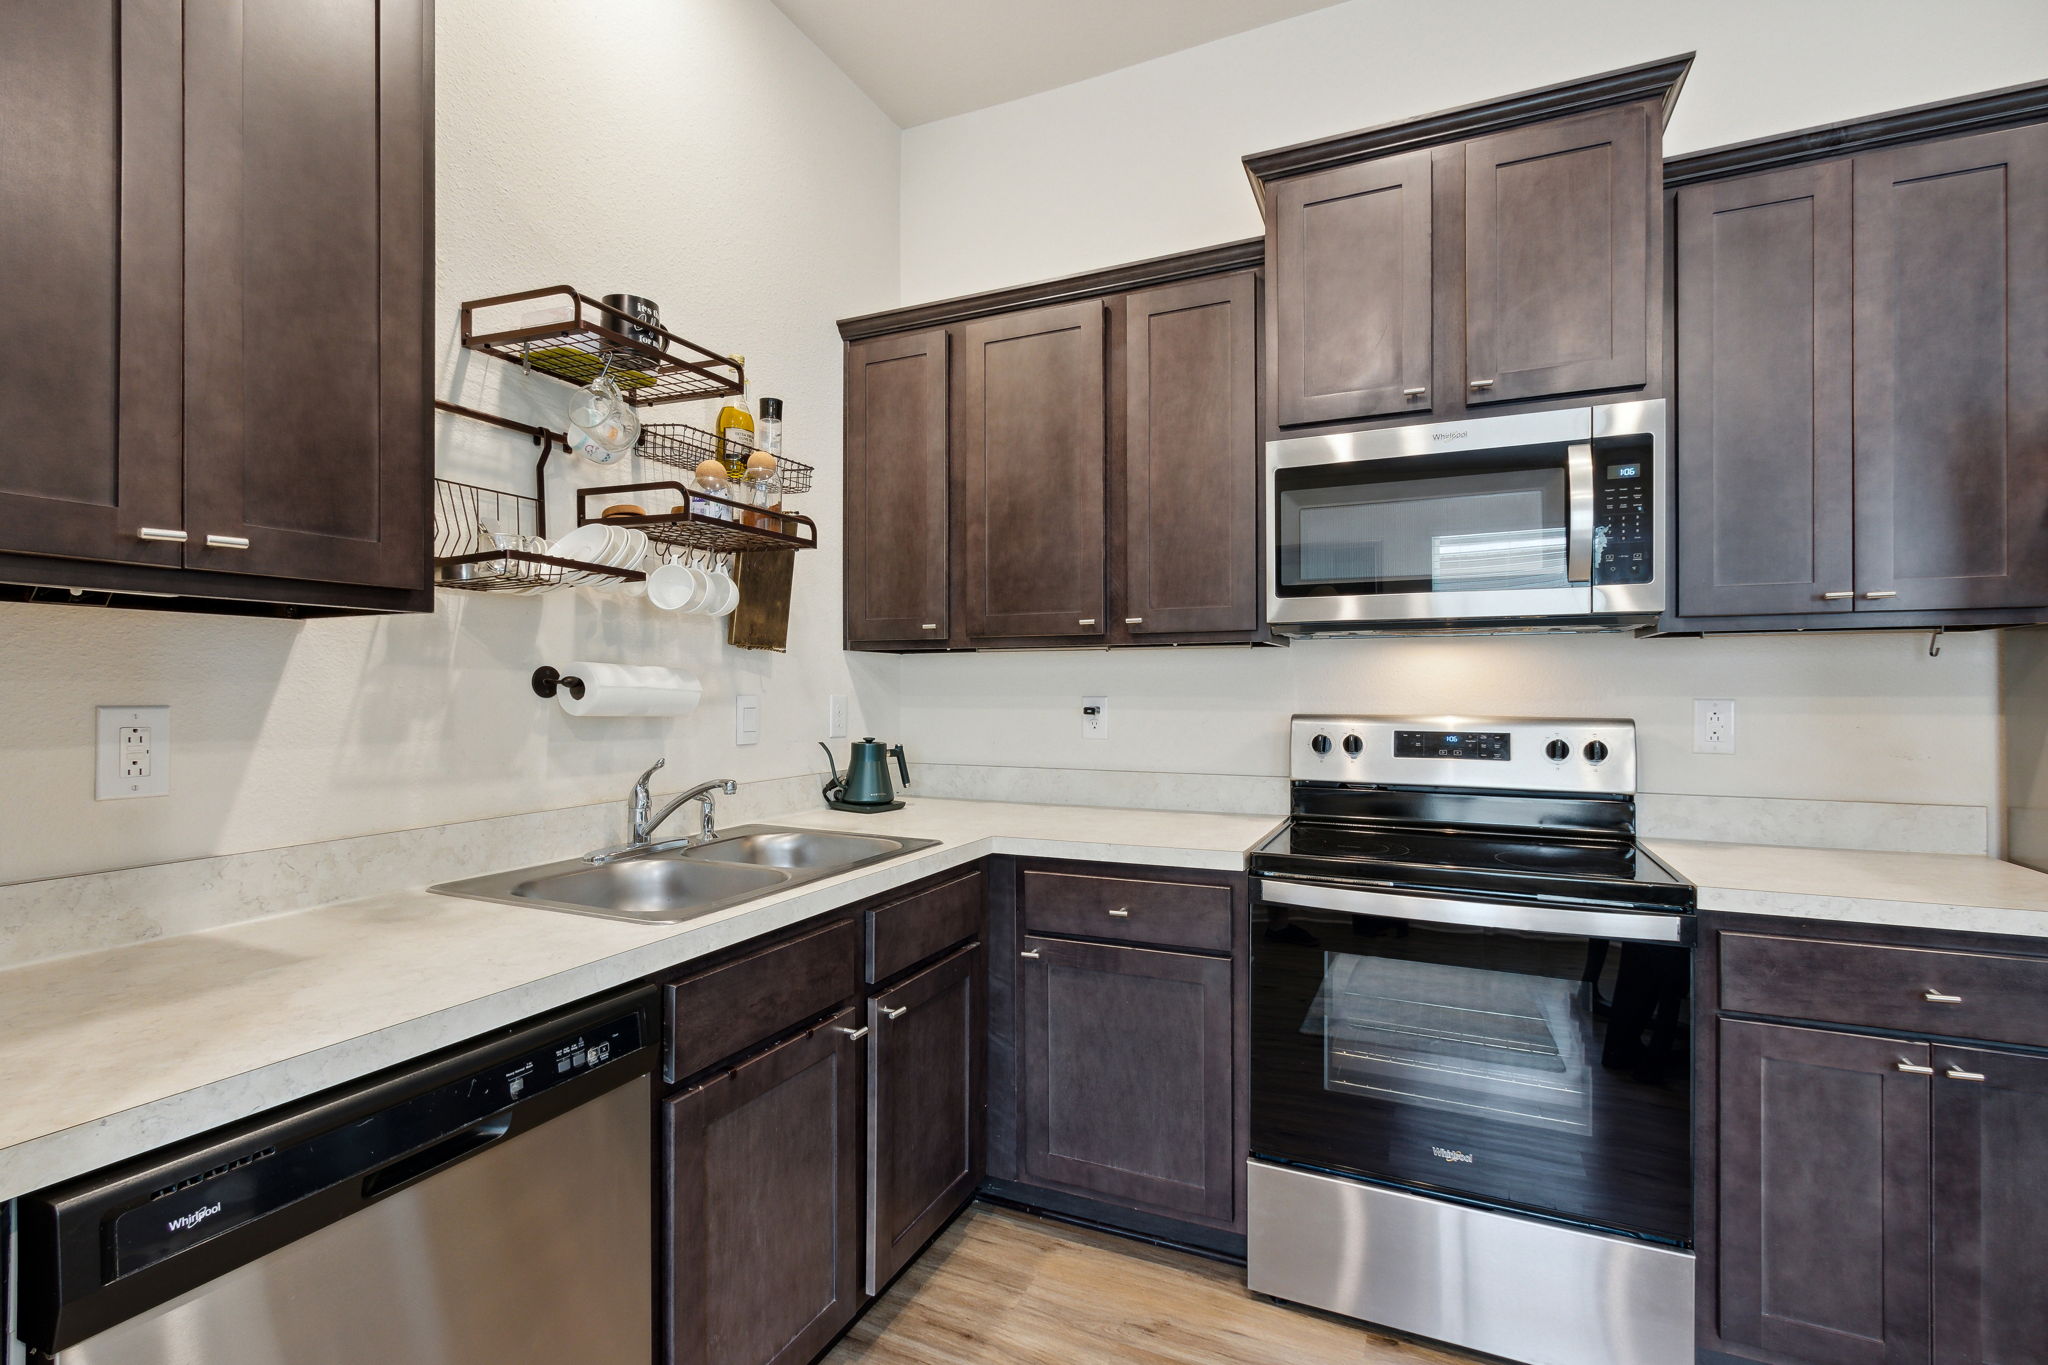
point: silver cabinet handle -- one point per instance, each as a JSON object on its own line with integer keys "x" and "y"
{"x": 1934, "y": 997}
{"x": 159, "y": 533}
{"x": 1134, "y": 620}
{"x": 1913, "y": 1068}
{"x": 1956, "y": 1073}
{"x": 227, "y": 542}
{"x": 1033, "y": 954}
{"x": 1121, "y": 912}
{"x": 1087, "y": 621}
{"x": 929, "y": 625}
{"x": 1413, "y": 393}
{"x": 896, "y": 1013}
{"x": 1835, "y": 596}
{"x": 1875, "y": 596}
{"x": 1481, "y": 384}
{"x": 853, "y": 1035}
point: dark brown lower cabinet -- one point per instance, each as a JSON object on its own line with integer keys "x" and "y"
{"x": 925, "y": 1108}
{"x": 1125, "y": 1071}
{"x": 763, "y": 1223}
{"x": 1990, "y": 1207}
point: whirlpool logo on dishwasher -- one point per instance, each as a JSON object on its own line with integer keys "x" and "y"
{"x": 192, "y": 1220}
{"x": 1453, "y": 1155}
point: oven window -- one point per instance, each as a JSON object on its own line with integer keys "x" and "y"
{"x": 1421, "y": 525}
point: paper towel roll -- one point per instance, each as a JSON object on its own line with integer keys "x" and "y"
{"x": 630, "y": 690}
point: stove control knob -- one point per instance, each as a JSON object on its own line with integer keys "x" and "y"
{"x": 1596, "y": 752}
{"x": 1321, "y": 744}
{"x": 1353, "y": 745}
{"x": 1557, "y": 751}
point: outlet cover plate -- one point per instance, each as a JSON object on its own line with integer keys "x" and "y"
{"x": 835, "y": 717}
{"x": 747, "y": 719}
{"x": 1713, "y": 725}
{"x": 1095, "y": 726}
{"x": 133, "y": 754}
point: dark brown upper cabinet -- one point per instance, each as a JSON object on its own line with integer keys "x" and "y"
{"x": 897, "y": 526}
{"x": 1499, "y": 253}
{"x": 1096, "y": 476}
{"x": 1862, "y": 361}
{"x": 1352, "y": 284}
{"x": 1557, "y": 257}
{"x": 1190, "y": 530}
{"x": 220, "y": 212}
{"x": 1032, "y": 461}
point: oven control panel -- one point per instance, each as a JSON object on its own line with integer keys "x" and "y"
{"x": 1494, "y": 753}
{"x": 1624, "y": 522}
{"x": 1492, "y": 745}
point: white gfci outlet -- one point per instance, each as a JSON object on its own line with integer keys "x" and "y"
{"x": 835, "y": 717}
{"x": 1095, "y": 717}
{"x": 133, "y": 754}
{"x": 1713, "y": 725}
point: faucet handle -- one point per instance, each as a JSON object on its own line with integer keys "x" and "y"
{"x": 648, "y": 776}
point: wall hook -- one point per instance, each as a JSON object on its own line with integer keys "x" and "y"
{"x": 1934, "y": 644}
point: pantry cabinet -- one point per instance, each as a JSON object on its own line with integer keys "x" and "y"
{"x": 1862, "y": 353}
{"x": 219, "y": 231}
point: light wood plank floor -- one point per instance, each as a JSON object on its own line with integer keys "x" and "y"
{"x": 1003, "y": 1287}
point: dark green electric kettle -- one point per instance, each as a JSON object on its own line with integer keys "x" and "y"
{"x": 866, "y": 784}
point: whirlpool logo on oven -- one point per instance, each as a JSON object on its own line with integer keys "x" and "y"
{"x": 1452, "y": 1155}
{"x": 193, "y": 1219}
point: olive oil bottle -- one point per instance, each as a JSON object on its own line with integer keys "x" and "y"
{"x": 732, "y": 450}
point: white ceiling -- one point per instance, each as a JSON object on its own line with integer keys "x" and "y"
{"x": 930, "y": 59}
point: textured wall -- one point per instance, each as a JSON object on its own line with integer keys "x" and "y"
{"x": 704, "y": 154}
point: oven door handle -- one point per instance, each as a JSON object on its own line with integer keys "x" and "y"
{"x": 1624, "y": 926}
{"x": 1578, "y": 544}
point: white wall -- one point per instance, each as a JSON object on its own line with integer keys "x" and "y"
{"x": 704, "y": 154}
{"x": 1147, "y": 161}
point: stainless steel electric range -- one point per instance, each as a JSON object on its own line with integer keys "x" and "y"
{"x": 1471, "y": 993}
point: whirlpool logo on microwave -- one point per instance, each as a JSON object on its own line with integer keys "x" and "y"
{"x": 187, "y": 1222}
{"x": 1452, "y": 1155}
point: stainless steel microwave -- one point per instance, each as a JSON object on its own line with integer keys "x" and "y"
{"x": 1539, "y": 521}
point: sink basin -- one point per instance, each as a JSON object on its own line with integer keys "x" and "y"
{"x": 803, "y": 849}
{"x": 679, "y": 884}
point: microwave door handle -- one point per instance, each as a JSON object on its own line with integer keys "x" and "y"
{"x": 1578, "y": 545}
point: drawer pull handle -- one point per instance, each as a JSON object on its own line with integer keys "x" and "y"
{"x": 159, "y": 533}
{"x": 929, "y": 625}
{"x": 1087, "y": 620}
{"x": 1956, "y": 1073}
{"x": 896, "y": 1013}
{"x": 227, "y": 542}
{"x": 1934, "y": 997}
{"x": 1033, "y": 955}
{"x": 1479, "y": 385}
{"x": 1414, "y": 392}
{"x": 1134, "y": 620}
{"x": 1913, "y": 1068}
{"x": 1121, "y": 912}
{"x": 1835, "y": 596}
{"x": 1878, "y": 596}
{"x": 853, "y": 1035}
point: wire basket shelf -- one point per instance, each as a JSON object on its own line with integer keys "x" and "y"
{"x": 652, "y": 365}
{"x": 696, "y": 520}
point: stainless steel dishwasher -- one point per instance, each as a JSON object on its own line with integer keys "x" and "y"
{"x": 490, "y": 1206}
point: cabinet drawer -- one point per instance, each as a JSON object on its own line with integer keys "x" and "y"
{"x": 905, "y": 932}
{"x": 1989, "y": 996}
{"x": 728, "y": 1009}
{"x": 1128, "y": 910}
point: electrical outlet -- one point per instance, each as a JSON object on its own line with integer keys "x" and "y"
{"x": 1713, "y": 726}
{"x": 747, "y": 719}
{"x": 133, "y": 755}
{"x": 835, "y": 717}
{"x": 1095, "y": 717}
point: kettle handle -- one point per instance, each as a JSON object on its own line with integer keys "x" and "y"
{"x": 835, "y": 783}
{"x": 902, "y": 765}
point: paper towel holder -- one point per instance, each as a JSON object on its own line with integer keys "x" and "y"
{"x": 548, "y": 680}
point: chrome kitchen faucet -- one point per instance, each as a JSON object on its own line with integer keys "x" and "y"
{"x": 640, "y": 824}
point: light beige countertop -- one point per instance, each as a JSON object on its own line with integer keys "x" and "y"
{"x": 1914, "y": 890}
{"x": 108, "y": 1055}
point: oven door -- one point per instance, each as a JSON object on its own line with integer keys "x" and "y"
{"x": 1533, "y": 1057}
{"x": 1434, "y": 523}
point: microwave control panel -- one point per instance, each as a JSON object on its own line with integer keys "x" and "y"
{"x": 1624, "y": 521}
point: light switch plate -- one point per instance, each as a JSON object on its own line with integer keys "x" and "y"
{"x": 133, "y": 753}
{"x": 747, "y": 719}
{"x": 1095, "y": 717}
{"x": 835, "y": 717}
{"x": 1713, "y": 725}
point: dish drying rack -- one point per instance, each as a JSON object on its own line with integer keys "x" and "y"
{"x": 591, "y": 340}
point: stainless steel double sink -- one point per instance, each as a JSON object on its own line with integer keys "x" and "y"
{"x": 675, "y": 885}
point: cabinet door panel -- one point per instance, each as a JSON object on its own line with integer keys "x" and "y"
{"x": 1952, "y": 373}
{"x": 1990, "y": 1208}
{"x": 1127, "y": 1075}
{"x": 306, "y": 288}
{"x": 924, "y": 1108}
{"x": 1765, "y": 488}
{"x": 763, "y": 1231}
{"x": 90, "y": 236}
{"x": 1032, "y": 473}
{"x": 1824, "y": 1177}
{"x": 896, "y": 504}
{"x": 1352, "y": 276}
{"x": 1557, "y": 257}
{"x": 1191, "y": 464}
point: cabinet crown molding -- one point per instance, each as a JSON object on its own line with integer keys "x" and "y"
{"x": 1659, "y": 80}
